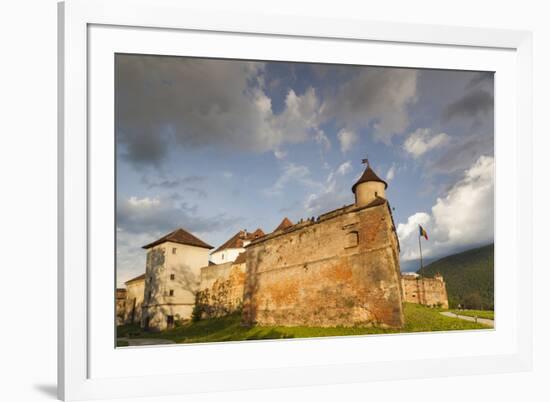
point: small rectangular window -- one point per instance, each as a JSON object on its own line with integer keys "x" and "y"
{"x": 171, "y": 292}
{"x": 170, "y": 320}
{"x": 352, "y": 239}
{"x": 172, "y": 277}
{"x": 174, "y": 250}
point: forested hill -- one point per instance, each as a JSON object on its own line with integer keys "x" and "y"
{"x": 469, "y": 277}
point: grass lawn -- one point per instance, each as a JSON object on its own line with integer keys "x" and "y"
{"x": 476, "y": 313}
{"x": 417, "y": 319}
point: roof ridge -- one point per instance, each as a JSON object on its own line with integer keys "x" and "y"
{"x": 180, "y": 236}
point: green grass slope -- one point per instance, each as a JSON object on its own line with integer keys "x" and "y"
{"x": 417, "y": 319}
{"x": 469, "y": 277}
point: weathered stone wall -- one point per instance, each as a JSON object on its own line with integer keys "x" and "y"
{"x": 134, "y": 301}
{"x": 221, "y": 290}
{"x": 120, "y": 306}
{"x": 341, "y": 270}
{"x": 427, "y": 291}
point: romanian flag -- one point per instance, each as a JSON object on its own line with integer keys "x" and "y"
{"x": 423, "y": 232}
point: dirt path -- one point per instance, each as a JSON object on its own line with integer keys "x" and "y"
{"x": 146, "y": 341}
{"x": 484, "y": 321}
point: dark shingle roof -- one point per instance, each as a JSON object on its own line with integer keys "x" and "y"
{"x": 237, "y": 241}
{"x": 285, "y": 223}
{"x": 182, "y": 237}
{"x": 368, "y": 175}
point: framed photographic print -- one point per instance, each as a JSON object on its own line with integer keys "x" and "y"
{"x": 243, "y": 196}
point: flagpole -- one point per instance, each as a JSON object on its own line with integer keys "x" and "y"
{"x": 420, "y": 247}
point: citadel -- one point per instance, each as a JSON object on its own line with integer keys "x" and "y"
{"x": 339, "y": 269}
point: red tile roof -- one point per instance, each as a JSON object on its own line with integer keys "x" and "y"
{"x": 285, "y": 223}
{"x": 368, "y": 175}
{"x": 237, "y": 241}
{"x": 182, "y": 237}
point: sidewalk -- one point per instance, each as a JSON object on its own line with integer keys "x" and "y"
{"x": 485, "y": 321}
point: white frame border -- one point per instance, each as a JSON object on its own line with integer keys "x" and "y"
{"x": 74, "y": 18}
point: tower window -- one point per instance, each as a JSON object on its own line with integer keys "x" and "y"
{"x": 352, "y": 239}
{"x": 171, "y": 292}
{"x": 172, "y": 277}
{"x": 174, "y": 250}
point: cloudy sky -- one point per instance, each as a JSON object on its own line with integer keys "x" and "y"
{"x": 215, "y": 146}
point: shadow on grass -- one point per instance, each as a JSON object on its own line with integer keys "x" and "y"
{"x": 224, "y": 329}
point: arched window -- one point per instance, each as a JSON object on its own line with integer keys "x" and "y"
{"x": 352, "y": 239}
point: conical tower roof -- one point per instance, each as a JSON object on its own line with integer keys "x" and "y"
{"x": 368, "y": 175}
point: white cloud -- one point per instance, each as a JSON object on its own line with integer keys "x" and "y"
{"x": 462, "y": 218}
{"x": 291, "y": 173}
{"x": 347, "y": 139}
{"x": 227, "y": 174}
{"x": 391, "y": 173}
{"x": 280, "y": 154}
{"x": 404, "y": 230}
{"x": 323, "y": 140}
{"x": 465, "y": 214}
{"x": 344, "y": 168}
{"x": 422, "y": 141}
{"x": 330, "y": 194}
{"x": 143, "y": 203}
{"x": 160, "y": 215}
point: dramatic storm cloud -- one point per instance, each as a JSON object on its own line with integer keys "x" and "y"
{"x": 190, "y": 103}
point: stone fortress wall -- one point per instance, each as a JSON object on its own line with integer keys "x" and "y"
{"x": 427, "y": 291}
{"x": 340, "y": 270}
{"x": 221, "y": 289}
{"x": 135, "y": 289}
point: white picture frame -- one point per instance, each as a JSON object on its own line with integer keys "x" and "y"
{"x": 90, "y": 367}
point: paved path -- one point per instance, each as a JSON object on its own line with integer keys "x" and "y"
{"x": 146, "y": 341}
{"x": 485, "y": 321}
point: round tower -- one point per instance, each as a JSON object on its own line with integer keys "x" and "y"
{"x": 369, "y": 187}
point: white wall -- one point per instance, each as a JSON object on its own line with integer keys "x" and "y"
{"x": 28, "y": 166}
{"x": 182, "y": 263}
{"x": 226, "y": 255}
